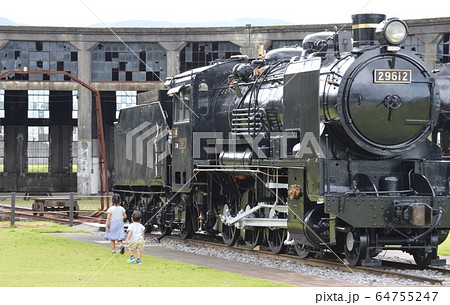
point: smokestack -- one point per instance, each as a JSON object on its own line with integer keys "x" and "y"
{"x": 364, "y": 26}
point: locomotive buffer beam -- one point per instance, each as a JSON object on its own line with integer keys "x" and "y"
{"x": 246, "y": 219}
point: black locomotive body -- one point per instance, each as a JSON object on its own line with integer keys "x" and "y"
{"x": 313, "y": 148}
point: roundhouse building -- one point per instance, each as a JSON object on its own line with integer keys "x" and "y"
{"x": 48, "y": 126}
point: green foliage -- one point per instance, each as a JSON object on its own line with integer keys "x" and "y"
{"x": 37, "y": 259}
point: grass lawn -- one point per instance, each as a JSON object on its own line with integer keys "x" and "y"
{"x": 84, "y": 205}
{"x": 31, "y": 258}
{"x": 444, "y": 248}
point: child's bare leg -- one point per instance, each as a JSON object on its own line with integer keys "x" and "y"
{"x": 113, "y": 245}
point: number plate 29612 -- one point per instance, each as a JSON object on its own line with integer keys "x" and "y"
{"x": 392, "y": 76}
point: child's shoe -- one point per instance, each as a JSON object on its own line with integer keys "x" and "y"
{"x": 113, "y": 252}
{"x": 122, "y": 249}
{"x": 138, "y": 261}
{"x": 132, "y": 259}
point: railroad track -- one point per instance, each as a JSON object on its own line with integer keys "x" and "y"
{"x": 53, "y": 216}
{"x": 407, "y": 266}
{"x": 388, "y": 268}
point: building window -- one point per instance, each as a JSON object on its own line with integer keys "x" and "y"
{"x": 74, "y": 152}
{"x": 38, "y": 150}
{"x": 38, "y": 104}
{"x": 414, "y": 45}
{"x": 2, "y": 103}
{"x": 200, "y": 54}
{"x": 125, "y": 99}
{"x": 75, "y": 104}
{"x": 2, "y": 148}
{"x": 286, "y": 43}
{"x": 40, "y": 56}
{"x": 136, "y": 62}
{"x": 444, "y": 49}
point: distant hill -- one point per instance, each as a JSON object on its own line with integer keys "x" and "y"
{"x": 166, "y": 24}
{"x": 6, "y": 21}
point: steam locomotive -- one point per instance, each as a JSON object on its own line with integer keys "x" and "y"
{"x": 313, "y": 148}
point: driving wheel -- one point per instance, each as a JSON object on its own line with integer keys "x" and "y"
{"x": 276, "y": 240}
{"x": 229, "y": 209}
{"x": 252, "y": 237}
{"x": 229, "y": 235}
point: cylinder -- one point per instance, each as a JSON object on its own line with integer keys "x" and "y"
{"x": 364, "y": 26}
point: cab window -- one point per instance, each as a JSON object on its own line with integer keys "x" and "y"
{"x": 182, "y": 103}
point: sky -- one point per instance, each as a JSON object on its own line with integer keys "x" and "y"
{"x": 81, "y": 13}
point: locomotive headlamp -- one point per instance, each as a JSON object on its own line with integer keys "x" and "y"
{"x": 392, "y": 31}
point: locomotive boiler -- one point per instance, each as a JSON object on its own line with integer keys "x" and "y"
{"x": 316, "y": 148}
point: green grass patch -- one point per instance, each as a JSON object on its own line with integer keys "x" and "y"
{"x": 31, "y": 258}
{"x": 444, "y": 248}
{"x": 84, "y": 205}
{"x": 37, "y": 168}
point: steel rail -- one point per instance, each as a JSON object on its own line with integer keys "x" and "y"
{"x": 29, "y": 213}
